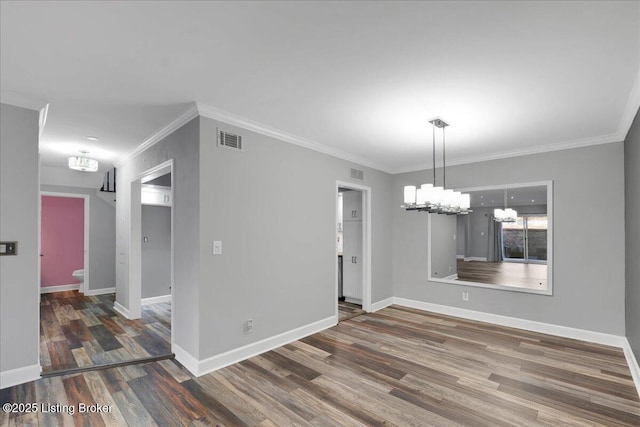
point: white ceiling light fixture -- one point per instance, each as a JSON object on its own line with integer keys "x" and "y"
{"x": 432, "y": 199}
{"x": 93, "y": 138}
{"x": 83, "y": 163}
{"x": 505, "y": 215}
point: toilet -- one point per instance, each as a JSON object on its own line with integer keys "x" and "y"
{"x": 78, "y": 275}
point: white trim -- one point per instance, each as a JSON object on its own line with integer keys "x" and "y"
{"x": 239, "y": 354}
{"x": 366, "y": 242}
{"x": 633, "y": 103}
{"x": 102, "y": 291}
{"x": 527, "y": 151}
{"x": 251, "y": 125}
{"x": 514, "y": 322}
{"x": 473, "y": 258}
{"x": 189, "y": 114}
{"x": 633, "y": 364}
{"x": 119, "y": 308}
{"x": 59, "y": 288}
{"x": 376, "y": 306}
{"x": 460, "y": 256}
{"x": 186, "y": 359}
{"x": 19, "y": 376}
{"x": 156, "y": 300}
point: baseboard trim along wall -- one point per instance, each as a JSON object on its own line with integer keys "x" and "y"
{"x": 103, "y": 291}
{"x": 186, "y": 359}
{"x": 230, "y": 357}
{"x": 156, "y": 300}
{"x": 633, "y": 364}
{"x": 381, "y": 304}
{"x": 59, "y": 288}
{"x": 19, "y": 376}
{"x": 514, "y": 322}
{"x": 121, "y": 309}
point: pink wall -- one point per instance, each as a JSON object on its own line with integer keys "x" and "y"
{"x": 62, "y": 242}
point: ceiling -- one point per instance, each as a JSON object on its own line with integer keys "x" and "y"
{"x": 359, "y": 78}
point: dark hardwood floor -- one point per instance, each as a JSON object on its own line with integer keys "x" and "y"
{"x": 347, "y": 310}
{"x": 396, "y": 367}
{"x": 83, "y": 331}
{"x": 531, "y": 276}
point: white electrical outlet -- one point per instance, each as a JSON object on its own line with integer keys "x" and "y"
{"x": 465, "y": 295}
{"x": 248, "y": 327}
{"x": 217, "y": 247}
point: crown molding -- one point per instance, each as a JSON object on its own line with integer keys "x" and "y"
{"x": 633, "y": 104}
{"x": 21, "y": 100}
{"x": 251, "y": 125}
{"x": 189, "y": 114}
{"x": 540, "y": 149}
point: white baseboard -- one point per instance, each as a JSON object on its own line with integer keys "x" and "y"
{"x": 475, "y": 258}
{"x": 19, "y": 376}
{"x": 186, "y": 359}
{"x": 514, "y": 322}
{"x": 453, "y": 276}
{"x": 59, "y": 288}
{"x": 156, "y": 300}
{"x": 459, "y": 256}
{"x": 381, "y": 304}
{"x": 103, "y": 291}
{"x": 239, "y": 354}
{"x": 633, "y": 364}
{"x": 121, "y": 309}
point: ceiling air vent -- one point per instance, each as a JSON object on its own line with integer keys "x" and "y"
{"x": 357, "y": 174}
{"x": 229, "y": 140}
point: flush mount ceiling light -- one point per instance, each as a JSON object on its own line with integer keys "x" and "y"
{"x": 93, "y": 138}
{"x": 83, "y": 163}
{"x": 432, "y": 199}
{"x": 505, "y": 215}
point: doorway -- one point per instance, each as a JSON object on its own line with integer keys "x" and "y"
{"x": 64, "y": 242}
{"x": 353, "y": 250}
{"x": 151, "y": 255}
{"x": 526, "y": 239}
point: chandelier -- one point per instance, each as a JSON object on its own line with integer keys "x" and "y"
{"x": 430, "y": 198}
{"x": 83, "y": 163}
{"x": 505, "y": 215}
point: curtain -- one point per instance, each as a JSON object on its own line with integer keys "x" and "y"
{"x": 494, "y": 252}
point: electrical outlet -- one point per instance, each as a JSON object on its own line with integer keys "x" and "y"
{"x": 248, "y": 326}
{"x": 465, "y": 295}
{"x": 217, "y": 247}
{"x": 451, "y": 269}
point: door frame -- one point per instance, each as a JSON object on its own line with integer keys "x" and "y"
{"x": 366, "y": 243}
{"x": 84, "y": 286}
{"x": 135, "y": 240}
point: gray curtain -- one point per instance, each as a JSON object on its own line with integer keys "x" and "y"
{"x": 494, "y": 252}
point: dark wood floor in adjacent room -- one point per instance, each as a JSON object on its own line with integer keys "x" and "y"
{"x": 516, "y": 274}
{"x": 347, "y": 310}
{"x": 398, "y": 366}
{"x": 81, "y": 331}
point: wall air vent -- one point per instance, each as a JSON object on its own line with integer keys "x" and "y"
{"x": 357, "y": 174}
{"x": 229, "y": 140}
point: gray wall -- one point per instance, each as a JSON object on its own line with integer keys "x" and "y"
{"x": 588, "y": 290}
{"x": 183, "y": 147}
{"x": 19, "y": 194}
{"x": 443, "y": 261}
{"x": 632, "y": 228}
{"x": 102, "y": 236}
{"x": 156, "y": 251}
{"x": 274, "y": 207}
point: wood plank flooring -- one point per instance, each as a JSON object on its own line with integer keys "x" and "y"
{"x": 347, "y": 310}
{"x": 521, "y": 275}
{"x": 83, "y": 331}
{"x": 395, "y": 367}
